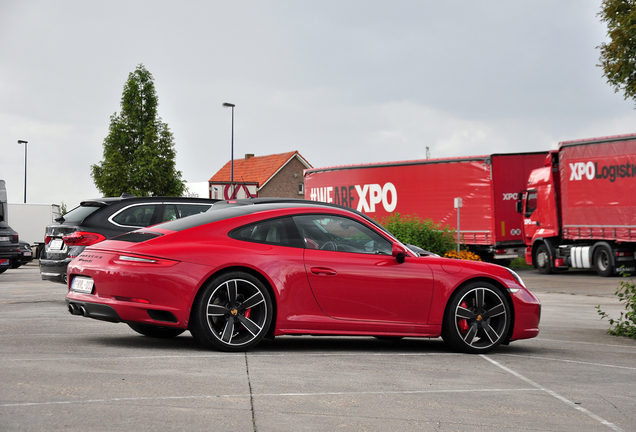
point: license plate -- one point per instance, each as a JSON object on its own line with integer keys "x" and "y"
{"x": 56, "y": 244}
{"x": 82, "y": 285}
{"x": 4, "y": 262}
{"x": 27, "y": 253}
{"x": 5, "y": 239}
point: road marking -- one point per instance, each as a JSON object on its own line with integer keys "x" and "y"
{"x": 226, "y": 355}
{"x": 539, "y": 339}
{"x": 246, "y": 396}
{"x": 569, "y": 361}
{"x": 554, "y": 394}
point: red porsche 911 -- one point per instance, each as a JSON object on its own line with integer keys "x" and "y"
{"x": 250, "y": 269}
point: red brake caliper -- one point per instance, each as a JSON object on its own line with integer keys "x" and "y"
{"x": 463, "y": 322}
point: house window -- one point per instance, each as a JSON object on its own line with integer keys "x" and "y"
{"x": 301, "y": 188}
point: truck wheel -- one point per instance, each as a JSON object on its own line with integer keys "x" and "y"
{"x": 603, "y": 261}
{"x": 542, "y": 259}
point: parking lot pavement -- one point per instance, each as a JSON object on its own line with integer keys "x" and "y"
{"x": 63, "y": 372}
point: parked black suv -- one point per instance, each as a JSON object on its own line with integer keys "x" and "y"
{"x": 98, "y": 219}
{"x": 9, "y": 247}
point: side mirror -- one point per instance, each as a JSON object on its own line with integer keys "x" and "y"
{"x": 399, "y": 253}
{"x": 521, "y": 196}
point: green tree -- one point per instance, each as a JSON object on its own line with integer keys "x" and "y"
{"x": 618, "y": 56}
{"x": 423, "y": 233}
{"x": 139, "y": 153}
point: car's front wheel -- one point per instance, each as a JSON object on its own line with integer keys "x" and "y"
{"x": 232, "y": 313}
{"x": 477, "y": 318}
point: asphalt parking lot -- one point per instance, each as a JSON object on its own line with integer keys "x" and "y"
{"x": 64, "y": 372}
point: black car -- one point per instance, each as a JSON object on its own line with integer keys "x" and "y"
{"x": 98, "y": 219}
{"x": 9, "y": 247}
{"x": 26, "y": 255}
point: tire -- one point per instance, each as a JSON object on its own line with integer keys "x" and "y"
{"x": 233, "y": 312}
{"x": 603, "y": 261}
{"x": 542, "y": 260}
{"x": 155, "y": 331}
{"x": 503, "y": 262}
{"x": 477, "y": 318}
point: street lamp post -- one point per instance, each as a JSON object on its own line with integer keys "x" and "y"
{"x": 25, "y": 166}
{"x": 229, "y": 105}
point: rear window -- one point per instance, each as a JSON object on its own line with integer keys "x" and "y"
{"x": 78, "y": 214}
{"x": 137, "y": 237}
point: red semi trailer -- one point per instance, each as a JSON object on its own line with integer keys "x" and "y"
{"x": 488, "y": 186}
{"x": 580, "y": 208}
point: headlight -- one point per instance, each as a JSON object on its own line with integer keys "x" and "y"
{"x": 519, "y": 280}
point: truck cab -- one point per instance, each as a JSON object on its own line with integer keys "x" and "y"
{"x": 539, "y": 206}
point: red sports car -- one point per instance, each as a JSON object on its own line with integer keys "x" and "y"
{"x": 250, "y": 269}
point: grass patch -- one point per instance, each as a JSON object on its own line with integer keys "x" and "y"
{"x": 520, "y": 263}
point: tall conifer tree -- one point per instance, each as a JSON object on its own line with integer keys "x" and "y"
{"x": 139, "y": 153}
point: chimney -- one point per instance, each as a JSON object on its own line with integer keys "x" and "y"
{"x": 248, "y": 155}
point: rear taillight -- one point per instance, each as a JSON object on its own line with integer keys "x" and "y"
{"x": 47, "y": 239}
{"x": 139, "y": 260}
{"x": 82, "y": 238}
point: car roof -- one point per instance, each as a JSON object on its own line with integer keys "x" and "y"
{"x": 128, "y": 198}
{"x": 241, "y": 207}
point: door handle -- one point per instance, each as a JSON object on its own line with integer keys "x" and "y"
{"x": 323, "y": 271}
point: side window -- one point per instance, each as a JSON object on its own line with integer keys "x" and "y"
{"x": 178, "y": 210}
{"x": 531, "y": 202}
{"x": 337, "y": 233}
{"x": 279, "y": 232}
{"x": 184, "y": 210}
{"x": 169, "y": 213}
{"x": 135, "y": 216}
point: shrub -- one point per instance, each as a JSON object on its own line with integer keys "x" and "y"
{"x": 463, "y": 255}
{"x": 425, "y": 234}
{"x": 626, "y": 324}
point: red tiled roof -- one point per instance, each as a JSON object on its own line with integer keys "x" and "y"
{"x": 257, "y": 169}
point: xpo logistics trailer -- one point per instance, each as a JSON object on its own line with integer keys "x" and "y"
{"x": 580, "y": 208}
{"x": 488, "y": 185}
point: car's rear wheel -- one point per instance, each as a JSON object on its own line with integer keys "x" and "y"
{"x": 156, "y": 332}
{"x": 477, "y": 318}
{"x": 232, "y": 313}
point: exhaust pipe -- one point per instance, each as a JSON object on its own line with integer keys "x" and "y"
{"x": 75, "y": 309}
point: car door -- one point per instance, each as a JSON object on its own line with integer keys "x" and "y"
{"x": 353, "y": 275}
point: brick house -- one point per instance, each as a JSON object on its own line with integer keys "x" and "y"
{"x": 277, "y": 175}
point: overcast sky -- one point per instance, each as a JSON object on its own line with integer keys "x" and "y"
{"x": 342, "y": 82}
